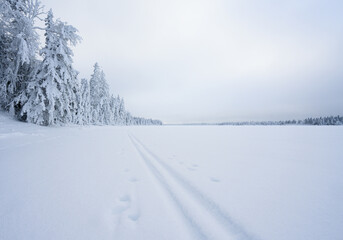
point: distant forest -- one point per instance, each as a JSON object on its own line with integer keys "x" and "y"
{"x": 39, "y": 84}
{"x": 331, "y": 120}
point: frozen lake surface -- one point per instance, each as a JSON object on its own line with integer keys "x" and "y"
{"x": 170, "y": 182}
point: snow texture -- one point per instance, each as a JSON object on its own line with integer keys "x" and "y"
{"x": 170, "y": 182}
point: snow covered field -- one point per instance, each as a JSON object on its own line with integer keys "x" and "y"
{"x": 170, "y": 182}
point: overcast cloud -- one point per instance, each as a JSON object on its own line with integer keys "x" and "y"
{"x": 212, "y": 61}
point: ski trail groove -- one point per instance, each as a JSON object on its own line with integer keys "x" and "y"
{"x": 191, "y": 222}
{"x": 214, "y": 209}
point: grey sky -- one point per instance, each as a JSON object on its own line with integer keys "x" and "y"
{"x": 212, "y": 61}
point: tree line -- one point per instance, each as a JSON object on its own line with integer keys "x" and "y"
{"x": 40, "y": 85}
{"x": 330, "y": 120}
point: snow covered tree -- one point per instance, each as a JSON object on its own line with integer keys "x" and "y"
{"x": 52, "y": 92}
{"x": 104, "y": 97}
{"x": 128, "y": 119}
{"x": 45, "y": 90}
{"x": 84, "y": 103}
{"x": 100, "y": 97}
{"x": 94, "y": 94}
{"x": 18, "y": 48}
{"x": 113, "y": 110}
{"x": 121, "y": 112}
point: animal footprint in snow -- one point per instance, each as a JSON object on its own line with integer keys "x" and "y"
{"x": 124, "y": 204}
{"x": 191, "y": 169}
{"x": 133, "y": 179}
{"x": 213, "y": 179}
{"x": 127, "y": 206}
{"x": 134, "y": 216}
{"x": 126, "y": 170}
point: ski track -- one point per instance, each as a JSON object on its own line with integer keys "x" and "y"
{"x": 196, "y": 229}
{"x": 221, "y": 217}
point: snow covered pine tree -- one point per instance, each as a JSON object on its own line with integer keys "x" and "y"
{"x": 47, "y": 91}
{"x": 52, "y": 91}
{"x": 18, "y": 47}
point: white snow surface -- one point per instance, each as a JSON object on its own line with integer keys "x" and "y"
{"x": 170, "y": 182}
